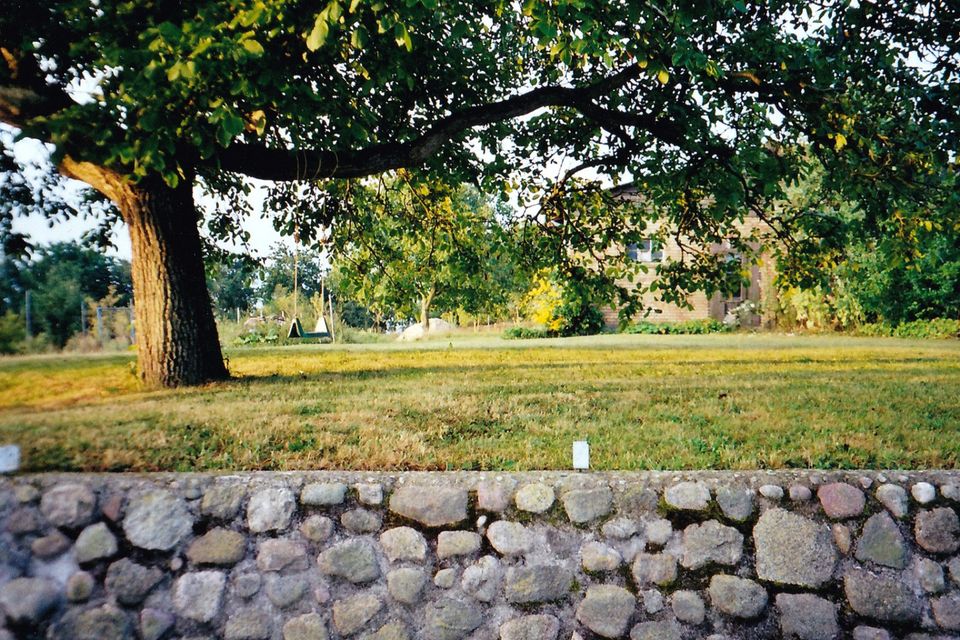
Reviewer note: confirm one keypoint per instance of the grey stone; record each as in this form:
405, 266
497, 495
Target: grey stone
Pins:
482, 579
370, 494
923, 492
606, 610
391, 631
25, 493
711, 543
737, 597
658, 531
929, 574
659, 569
620, 528
842, 537
352, 614
29, 600
537, 583
130, 582
597, 557
951, 491
270, 509
279, 554
403, 543
50, 545
807, 617
457, 543
893, 498
309, 626
445, 578
688, 607
246, 585
157, 520
353, 560
946, 611
509, 538
317, 528
687, 496
879, 597
863, 632
771, 492
79, 586
223, 501
154, 623
95, 542
430, 506
954, 567
494, 496
285, 591
23, 520
406, 584
653, 601
938, 530
218, 546
101, 623
791, 549
361, 521
68, 505
247, 624
841, 500
323, 494
656, 630
584, 505
736, 504
881, 542
198, 595
800, 493
535, 627
449, 619
535, 498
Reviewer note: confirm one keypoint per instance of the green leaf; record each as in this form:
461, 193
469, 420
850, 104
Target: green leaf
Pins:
173, 73
253, 47
170, 32
318, 36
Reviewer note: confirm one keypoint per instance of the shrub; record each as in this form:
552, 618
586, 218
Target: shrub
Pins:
940, 328
12, 333
687, 327
527, 333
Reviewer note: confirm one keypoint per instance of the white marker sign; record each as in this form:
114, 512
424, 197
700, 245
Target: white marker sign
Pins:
9, 458
581, 454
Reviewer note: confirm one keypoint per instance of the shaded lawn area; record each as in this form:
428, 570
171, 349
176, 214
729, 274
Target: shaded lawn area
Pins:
644, 402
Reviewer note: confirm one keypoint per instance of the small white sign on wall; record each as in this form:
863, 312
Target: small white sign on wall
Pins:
581, 454
9, 458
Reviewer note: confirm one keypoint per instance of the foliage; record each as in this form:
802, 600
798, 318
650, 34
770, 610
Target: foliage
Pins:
279, 270
527, 333
686, 327
940, 328
12, 332
231, 284
541, 302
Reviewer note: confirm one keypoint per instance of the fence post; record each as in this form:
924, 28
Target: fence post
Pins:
83, 320
99, 324
27, 314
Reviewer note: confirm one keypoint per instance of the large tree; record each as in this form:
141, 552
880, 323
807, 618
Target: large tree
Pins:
704, 103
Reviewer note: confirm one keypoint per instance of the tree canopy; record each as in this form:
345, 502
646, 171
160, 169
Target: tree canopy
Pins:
712, 109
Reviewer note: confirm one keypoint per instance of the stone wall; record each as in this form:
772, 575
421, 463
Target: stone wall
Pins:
438, 556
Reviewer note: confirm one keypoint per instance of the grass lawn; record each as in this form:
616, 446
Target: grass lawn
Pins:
644, 402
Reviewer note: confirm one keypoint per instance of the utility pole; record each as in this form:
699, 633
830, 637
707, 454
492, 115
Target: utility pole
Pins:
27, 314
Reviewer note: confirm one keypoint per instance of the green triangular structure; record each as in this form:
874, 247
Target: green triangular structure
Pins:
319, 331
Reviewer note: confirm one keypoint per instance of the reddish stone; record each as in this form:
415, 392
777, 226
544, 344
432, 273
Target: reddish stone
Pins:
113, 507
840, 500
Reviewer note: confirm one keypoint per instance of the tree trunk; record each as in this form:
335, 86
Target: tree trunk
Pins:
425, 300
177, 341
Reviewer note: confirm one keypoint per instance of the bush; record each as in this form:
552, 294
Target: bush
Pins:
940, 328
687, 327
527, 333
12, 333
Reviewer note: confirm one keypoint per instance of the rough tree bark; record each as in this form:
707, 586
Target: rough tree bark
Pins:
426, 299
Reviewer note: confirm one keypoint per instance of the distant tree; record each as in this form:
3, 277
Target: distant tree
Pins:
231, 283
278, 271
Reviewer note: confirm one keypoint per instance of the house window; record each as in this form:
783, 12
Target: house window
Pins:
647, 250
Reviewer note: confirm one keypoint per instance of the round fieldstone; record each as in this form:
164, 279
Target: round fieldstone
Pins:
771, 492
323, 494
198, 595
457, 543
894, 499
863, 632
154, 623
938, 530
449, 619
352, 614
584, 505
309, 626
95, 542
711, 543
68, 505
130, 582
223, 501
404, 543
841, 500
800, 493
353, 560
509, 538
247, 624
537, 583
946, 612
285, 591
157, 520
688, 607
369, 494
954, 567
482, 579
658, 531
50, 545
80, 586
535, 498
270, 509
29, 600
405, 585
656, 630
494, 496
930, 575
620, 529
247, 585
536, 627
445, 578
598, 557
25, 493
103, 623
279, 554
842, 537
951, 491
735, 503
881, 542
792, 549
807, 617
737, 597
687, 496
317, 528
218, 546
430, 506
653, 601
880, 597
606, 610
659, 569
361, 521
395, 630
923, 492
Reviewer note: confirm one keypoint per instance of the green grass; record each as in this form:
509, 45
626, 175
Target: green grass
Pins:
645, 402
